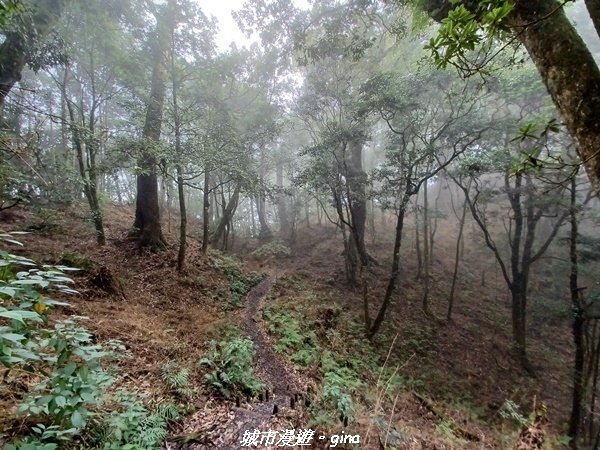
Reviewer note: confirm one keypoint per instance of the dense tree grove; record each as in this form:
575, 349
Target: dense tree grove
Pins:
391, 122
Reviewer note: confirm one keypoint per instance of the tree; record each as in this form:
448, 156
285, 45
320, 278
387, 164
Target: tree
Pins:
147, 212
25, 27
563, 61
523, 179
88, 84
423, 142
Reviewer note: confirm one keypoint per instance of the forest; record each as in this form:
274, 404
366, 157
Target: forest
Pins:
366, 224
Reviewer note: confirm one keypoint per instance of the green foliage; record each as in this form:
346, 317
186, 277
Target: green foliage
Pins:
419, 340
75, 259
131, 426
300, 344
589, 248
72, 382
511, 411
335, 397
463, 31
48, 221
177, 380
338, 369
239, 283
31, 444
230, 367
13, 185
76, 382
272, 249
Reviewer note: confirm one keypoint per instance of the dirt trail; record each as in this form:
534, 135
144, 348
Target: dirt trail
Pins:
223, 425
271, 370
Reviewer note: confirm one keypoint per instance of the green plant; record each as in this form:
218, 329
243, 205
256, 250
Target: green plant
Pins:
76, 382
70, 378
239, 283
131, 426
177, 380
272, 249
300, 344
419, 340
32, 444
511, 411
336, 394
230, 364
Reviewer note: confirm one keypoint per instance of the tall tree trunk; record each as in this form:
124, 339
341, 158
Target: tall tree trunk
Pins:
206, 211
418, 240
577, 325
395, 268
350, 257
147, 213
265, 233
457, 255
426, 254
252, 218
282, 210
357, 195
519, 322
182, 221
319, 210
434, 223
179, 155
85, 151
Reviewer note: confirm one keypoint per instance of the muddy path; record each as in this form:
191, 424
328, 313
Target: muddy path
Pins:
281, 384
221, 424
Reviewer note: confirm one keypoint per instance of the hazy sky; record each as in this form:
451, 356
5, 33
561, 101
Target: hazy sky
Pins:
228, 29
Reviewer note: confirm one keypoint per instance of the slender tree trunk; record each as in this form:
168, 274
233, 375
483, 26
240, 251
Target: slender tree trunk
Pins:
418, 240
350, 258
265, 233
222, 230
182, 221
426, 254
86, 163
372, 221
357, 185
518, 292
577, 325
395, 268
434, 222
284, 220
252, 218
206, 211
307, 213
457, 255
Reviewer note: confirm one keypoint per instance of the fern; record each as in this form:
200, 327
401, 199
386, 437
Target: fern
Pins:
134, 427
230, 362
177, 380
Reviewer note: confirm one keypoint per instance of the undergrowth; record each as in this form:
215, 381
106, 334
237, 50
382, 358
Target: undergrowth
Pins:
331, 346
240, 283
64, 376
230, 369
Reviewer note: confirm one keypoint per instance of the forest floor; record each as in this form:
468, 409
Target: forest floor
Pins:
442, 385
